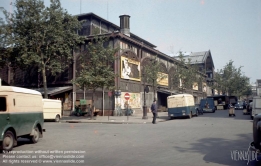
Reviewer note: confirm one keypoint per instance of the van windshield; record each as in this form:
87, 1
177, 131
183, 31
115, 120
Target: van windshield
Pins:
2, 104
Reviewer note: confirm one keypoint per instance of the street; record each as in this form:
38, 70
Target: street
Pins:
210, 139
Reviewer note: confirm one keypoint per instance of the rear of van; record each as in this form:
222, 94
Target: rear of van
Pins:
181, 105
52, 109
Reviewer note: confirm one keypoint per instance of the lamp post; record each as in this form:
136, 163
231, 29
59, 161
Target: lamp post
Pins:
146, 90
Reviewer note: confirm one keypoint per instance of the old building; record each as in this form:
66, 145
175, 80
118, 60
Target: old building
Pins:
205, 64
134, 53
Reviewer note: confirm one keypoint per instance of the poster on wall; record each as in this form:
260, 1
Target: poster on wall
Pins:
204, 87
130, 69
195, 86
134, 101
163, 79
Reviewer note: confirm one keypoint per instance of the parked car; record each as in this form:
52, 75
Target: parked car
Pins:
256, 133
238, 107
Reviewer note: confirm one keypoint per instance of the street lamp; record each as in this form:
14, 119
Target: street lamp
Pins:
146, 90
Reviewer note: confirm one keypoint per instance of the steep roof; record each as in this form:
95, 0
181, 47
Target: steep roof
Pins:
197, 57
133, 36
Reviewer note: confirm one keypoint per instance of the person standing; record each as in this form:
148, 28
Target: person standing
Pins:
154, 111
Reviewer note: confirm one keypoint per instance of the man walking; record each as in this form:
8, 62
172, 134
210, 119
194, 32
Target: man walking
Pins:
154, 111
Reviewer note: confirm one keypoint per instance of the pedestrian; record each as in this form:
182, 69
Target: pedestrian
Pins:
154, 111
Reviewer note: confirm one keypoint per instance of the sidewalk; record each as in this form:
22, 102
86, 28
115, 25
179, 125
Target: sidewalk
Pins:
134, 119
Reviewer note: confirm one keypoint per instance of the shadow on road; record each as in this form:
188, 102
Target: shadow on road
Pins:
211, 148
224, 114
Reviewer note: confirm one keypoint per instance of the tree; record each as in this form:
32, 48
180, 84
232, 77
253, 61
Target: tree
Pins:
43, 36
186, 74
96, 66
231, 81
152, 74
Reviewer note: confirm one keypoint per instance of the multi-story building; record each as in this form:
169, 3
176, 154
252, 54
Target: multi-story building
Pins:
205, 64
137, 51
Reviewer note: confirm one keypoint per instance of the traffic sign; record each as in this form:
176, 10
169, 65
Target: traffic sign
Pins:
127, 96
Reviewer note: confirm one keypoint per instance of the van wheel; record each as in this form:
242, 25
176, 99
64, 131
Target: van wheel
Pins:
8, 141
36, 136
57, 118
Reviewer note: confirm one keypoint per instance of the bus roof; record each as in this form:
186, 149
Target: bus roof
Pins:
18, 90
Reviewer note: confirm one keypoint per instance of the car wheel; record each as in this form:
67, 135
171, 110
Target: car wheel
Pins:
8, 141
57, 118
36, 136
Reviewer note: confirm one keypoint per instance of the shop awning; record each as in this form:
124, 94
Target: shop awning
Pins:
54, 90
166, 91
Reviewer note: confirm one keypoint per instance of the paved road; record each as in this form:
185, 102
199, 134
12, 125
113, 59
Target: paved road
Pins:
209, 140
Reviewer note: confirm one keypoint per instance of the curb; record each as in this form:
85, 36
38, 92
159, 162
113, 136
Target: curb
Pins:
108, 122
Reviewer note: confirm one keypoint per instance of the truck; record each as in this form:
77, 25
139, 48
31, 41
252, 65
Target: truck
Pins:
256, 106
222, 101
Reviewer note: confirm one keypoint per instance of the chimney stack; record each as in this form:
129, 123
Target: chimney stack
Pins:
125, 24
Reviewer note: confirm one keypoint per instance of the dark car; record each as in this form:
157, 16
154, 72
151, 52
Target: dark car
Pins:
256, 132
238, 107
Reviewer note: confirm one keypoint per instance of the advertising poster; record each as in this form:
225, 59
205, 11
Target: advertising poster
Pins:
130, 69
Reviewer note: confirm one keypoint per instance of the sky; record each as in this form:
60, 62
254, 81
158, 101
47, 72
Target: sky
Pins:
230, 29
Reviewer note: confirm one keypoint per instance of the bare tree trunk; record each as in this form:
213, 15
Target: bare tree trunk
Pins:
92, 109
44, 82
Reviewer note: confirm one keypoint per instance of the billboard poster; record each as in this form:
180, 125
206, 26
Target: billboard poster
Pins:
204, 87
195, 86
163, 79
130, 69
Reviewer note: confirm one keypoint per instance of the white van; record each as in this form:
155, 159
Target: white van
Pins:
21, 115
256, 106
181, 105
52, 109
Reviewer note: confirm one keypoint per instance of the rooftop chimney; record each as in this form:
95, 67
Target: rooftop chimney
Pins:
125, 24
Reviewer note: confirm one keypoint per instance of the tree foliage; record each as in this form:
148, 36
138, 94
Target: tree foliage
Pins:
97, 66
42, 36
231, 81
152, 74
186, 74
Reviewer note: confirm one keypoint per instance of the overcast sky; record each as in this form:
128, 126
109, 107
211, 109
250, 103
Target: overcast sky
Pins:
230, 29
